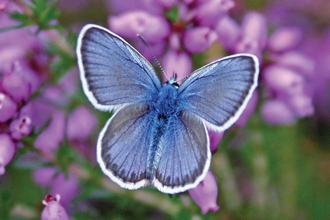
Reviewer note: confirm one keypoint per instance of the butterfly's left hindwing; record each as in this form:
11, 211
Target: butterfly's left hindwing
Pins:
112, 71
123, 145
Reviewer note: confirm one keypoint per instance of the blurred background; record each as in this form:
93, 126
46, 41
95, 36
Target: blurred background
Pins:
273, 163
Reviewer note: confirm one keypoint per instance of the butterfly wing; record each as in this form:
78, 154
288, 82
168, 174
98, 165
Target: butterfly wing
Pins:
123, 144
186, 154
219, 91
112, 71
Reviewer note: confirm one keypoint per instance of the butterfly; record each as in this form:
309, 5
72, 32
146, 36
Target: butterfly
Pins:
158, 134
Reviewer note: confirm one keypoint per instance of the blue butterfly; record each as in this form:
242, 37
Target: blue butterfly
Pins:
157, 134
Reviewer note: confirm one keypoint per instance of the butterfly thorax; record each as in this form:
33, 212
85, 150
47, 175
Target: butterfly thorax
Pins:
164, 111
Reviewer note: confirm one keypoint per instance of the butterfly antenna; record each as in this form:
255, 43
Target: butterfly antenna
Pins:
183, 79
153, 55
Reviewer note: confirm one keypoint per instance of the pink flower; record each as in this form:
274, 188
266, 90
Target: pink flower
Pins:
167, 3
249, 109
7, 151
254, 34
215, 138
20, 127
51, 137
277, 112
21, 82
302, 105
205, 194
285, 38
81, 124
53, 209
7, 107
228, 32
209, 12
3, 4
283, 80
198, 39
152, 28
65, 185
177, 63
297, 62
44, 176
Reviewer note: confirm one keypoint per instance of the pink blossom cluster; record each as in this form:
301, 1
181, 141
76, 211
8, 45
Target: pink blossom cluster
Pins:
21, 76
31, 105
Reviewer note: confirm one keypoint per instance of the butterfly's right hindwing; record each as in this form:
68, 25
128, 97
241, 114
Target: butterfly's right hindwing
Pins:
113, 72
186, 154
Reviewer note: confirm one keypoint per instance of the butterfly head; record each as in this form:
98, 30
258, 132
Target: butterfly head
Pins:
173, 81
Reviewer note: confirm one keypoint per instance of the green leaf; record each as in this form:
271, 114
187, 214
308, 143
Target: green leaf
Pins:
172, 14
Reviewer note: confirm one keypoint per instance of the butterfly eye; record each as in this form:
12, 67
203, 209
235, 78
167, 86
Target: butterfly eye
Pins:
173, 83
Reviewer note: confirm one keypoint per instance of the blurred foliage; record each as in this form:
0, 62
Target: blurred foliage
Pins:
264, 172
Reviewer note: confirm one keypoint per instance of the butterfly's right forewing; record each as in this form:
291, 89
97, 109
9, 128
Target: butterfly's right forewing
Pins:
219, 91
113, 72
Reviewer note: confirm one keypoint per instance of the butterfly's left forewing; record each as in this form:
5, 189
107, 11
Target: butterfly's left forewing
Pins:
112, 72
219, 91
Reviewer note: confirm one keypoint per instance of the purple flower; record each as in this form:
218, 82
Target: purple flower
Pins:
285, 38
7, 151
20, 127
177, 63
44, 176
167, 3
283, 80
65, 185
51, 137
228, 32
277, 112
61, 93
205, 194
302, 105
7, 107
21, 82
121, 6
152, 28
249, 109
39, 111
3, 4
209, 12
215, 138
53, 209
81, 124
254, 34
12, 47
198, 39
297, 61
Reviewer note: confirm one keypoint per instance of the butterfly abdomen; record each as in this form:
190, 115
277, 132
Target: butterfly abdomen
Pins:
165, 110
